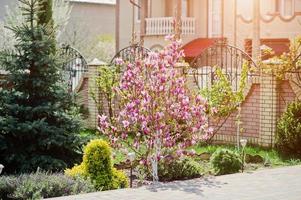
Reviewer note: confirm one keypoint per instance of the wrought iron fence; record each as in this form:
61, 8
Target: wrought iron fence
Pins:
228, 58
128, 54
75, 65
131, 53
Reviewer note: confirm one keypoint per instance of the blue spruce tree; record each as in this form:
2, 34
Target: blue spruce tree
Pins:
38, 127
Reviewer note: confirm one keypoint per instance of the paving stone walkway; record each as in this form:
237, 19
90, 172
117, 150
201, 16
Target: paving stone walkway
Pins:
268, 184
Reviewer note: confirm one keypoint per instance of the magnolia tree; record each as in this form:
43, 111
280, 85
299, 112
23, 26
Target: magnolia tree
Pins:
159, 116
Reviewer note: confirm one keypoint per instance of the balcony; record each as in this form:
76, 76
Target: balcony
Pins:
164, 26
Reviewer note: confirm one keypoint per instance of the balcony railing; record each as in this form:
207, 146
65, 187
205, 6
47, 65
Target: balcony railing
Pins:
165, 26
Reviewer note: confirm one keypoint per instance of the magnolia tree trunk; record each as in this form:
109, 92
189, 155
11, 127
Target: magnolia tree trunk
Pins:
154, 159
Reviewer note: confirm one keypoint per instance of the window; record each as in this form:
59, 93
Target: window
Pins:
184, 8
286, 7
138, 11
267, 7
297, 5
245, 8
215, 18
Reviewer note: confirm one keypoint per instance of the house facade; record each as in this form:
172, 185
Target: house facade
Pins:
234, 20
4, 4
90, 18
245, 27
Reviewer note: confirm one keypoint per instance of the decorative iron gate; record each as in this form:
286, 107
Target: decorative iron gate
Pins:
131, 53
226, 57
75, 65
127, 54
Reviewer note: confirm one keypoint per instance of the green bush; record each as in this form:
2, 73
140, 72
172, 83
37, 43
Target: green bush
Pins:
179, 169
288, 134
120, 180
225, 161
42, 185
97, 165
77, 170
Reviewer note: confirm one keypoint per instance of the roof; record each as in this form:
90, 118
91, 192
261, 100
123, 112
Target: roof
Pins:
278, 45
197, 46
110, 2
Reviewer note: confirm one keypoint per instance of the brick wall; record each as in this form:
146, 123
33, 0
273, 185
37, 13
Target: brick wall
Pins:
83, 92
250, 116
265, 100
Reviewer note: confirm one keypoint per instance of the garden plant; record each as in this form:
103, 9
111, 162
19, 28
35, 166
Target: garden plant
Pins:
159, 115
225, 161
221, 97
97, 166
39, 122
40, 185
288, 134
150, 121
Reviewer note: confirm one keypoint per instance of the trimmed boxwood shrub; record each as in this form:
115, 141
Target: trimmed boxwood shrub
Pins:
225, 161
120, 180
97, 165
179, 169
77, 170
288, 134
42, 185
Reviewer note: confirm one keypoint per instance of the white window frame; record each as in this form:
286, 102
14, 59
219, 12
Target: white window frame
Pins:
211, 14
138, 11
185, 8
271, 8
282, 8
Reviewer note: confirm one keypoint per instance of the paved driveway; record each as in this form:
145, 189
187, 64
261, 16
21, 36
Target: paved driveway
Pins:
267, 184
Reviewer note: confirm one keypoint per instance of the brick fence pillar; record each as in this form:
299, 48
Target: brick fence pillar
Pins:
92, 107
268, 109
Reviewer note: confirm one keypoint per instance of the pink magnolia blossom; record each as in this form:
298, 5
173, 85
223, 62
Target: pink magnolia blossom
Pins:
125, 123
156, 105
103, 123
119, 61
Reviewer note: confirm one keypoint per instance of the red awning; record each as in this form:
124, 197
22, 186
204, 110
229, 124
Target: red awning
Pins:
278, 45
197, 46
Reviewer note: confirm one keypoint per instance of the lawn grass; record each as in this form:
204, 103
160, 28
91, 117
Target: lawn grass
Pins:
271, 156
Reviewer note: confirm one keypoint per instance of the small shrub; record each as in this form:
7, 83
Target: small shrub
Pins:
185, 168
97, 165
42, 185
120, 180
225, 161
288, 134
253, 158
76, 171
8, 184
